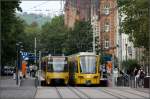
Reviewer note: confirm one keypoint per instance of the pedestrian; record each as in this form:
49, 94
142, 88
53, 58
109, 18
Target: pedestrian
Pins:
31, 68
142, 75
14, 73
104, 71
115, 75
137, 77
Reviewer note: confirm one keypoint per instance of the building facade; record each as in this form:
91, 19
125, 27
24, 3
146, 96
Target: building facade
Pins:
108, 26
128, 50
77, 10
103, 17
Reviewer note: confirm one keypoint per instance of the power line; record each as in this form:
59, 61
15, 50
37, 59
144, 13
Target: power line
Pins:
38, 5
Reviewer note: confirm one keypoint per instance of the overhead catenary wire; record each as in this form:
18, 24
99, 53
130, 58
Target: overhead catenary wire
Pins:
37, 8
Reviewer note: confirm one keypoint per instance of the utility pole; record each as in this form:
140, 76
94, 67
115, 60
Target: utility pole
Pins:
120, 43
148, 58
94, 41
35, 50
126, 51
39, 68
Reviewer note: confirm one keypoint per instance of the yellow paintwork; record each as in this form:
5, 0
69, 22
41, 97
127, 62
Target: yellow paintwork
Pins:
82, 78
56, 75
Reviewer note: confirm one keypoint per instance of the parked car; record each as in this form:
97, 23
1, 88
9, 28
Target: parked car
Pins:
7, 70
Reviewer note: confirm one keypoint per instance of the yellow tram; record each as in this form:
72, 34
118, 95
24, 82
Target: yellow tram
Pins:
84, 68
55, 69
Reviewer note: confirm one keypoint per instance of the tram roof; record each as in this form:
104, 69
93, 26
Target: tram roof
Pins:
84, 53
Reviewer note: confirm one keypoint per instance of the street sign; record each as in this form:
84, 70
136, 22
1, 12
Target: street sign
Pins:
25, 55
107, 58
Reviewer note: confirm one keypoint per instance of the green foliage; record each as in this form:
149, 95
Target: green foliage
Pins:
30, 18
136, 21
58, 39
11, 29
30, 32
53, 35
129, 65
80, 38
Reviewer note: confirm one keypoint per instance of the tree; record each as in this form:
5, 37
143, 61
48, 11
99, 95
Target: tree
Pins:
11, 29
30, 32
136, 21
129, 65
80, 38
58, 39
53, 35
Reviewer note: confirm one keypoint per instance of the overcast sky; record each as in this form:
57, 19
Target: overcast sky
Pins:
45, 7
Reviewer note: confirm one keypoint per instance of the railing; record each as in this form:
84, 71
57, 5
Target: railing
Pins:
130, 81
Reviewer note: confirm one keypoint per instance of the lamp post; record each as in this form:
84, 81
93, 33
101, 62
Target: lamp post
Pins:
126, 51
18, 66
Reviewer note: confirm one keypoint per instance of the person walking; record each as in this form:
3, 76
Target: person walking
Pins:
14, 73
142, 75
137, 77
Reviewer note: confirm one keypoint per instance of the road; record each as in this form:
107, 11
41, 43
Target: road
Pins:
27, 89
91, 92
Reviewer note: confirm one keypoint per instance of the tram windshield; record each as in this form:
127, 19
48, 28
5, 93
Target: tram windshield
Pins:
88, 64
57, 65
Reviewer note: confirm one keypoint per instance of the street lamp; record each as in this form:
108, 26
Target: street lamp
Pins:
19, 46
126, 50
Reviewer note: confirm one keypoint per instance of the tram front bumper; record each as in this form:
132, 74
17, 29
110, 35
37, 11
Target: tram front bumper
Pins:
88, 80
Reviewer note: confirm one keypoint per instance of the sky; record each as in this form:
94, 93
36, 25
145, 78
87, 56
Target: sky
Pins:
50, 8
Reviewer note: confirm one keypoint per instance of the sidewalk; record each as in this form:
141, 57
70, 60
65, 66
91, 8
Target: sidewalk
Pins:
7, 82
9, 89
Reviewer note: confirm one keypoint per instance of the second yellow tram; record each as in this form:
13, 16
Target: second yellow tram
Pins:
84, 68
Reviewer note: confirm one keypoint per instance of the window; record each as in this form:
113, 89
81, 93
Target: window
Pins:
106, 44
106, 9
107, 26
57, 65
88, 64
130, 50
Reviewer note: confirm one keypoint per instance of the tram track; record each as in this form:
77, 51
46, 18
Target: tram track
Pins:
132, 93
34, 96
109, 92
88, 97
59, 94
141, 90
70, 88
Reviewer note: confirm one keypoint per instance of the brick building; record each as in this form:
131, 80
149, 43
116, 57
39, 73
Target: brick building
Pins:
77, 10
103, 17
108, 25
